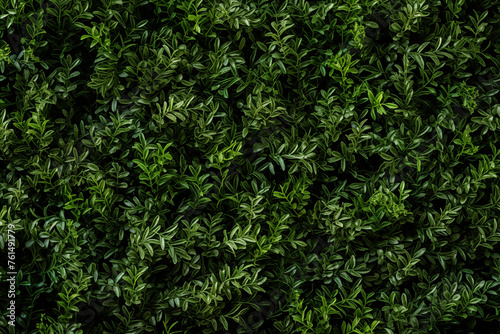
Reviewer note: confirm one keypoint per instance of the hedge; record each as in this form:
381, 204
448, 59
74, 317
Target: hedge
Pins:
249, 166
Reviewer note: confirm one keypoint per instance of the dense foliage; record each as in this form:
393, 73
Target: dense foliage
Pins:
250, 166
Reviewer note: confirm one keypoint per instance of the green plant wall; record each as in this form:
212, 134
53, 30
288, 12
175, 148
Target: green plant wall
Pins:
249, 166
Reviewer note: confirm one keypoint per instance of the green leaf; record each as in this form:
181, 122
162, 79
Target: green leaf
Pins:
371, 97
371, 24
418, 58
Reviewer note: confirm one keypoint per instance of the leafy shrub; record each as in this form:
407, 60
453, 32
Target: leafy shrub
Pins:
250, 166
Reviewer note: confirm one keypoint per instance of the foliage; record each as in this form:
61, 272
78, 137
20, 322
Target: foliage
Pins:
255, 166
